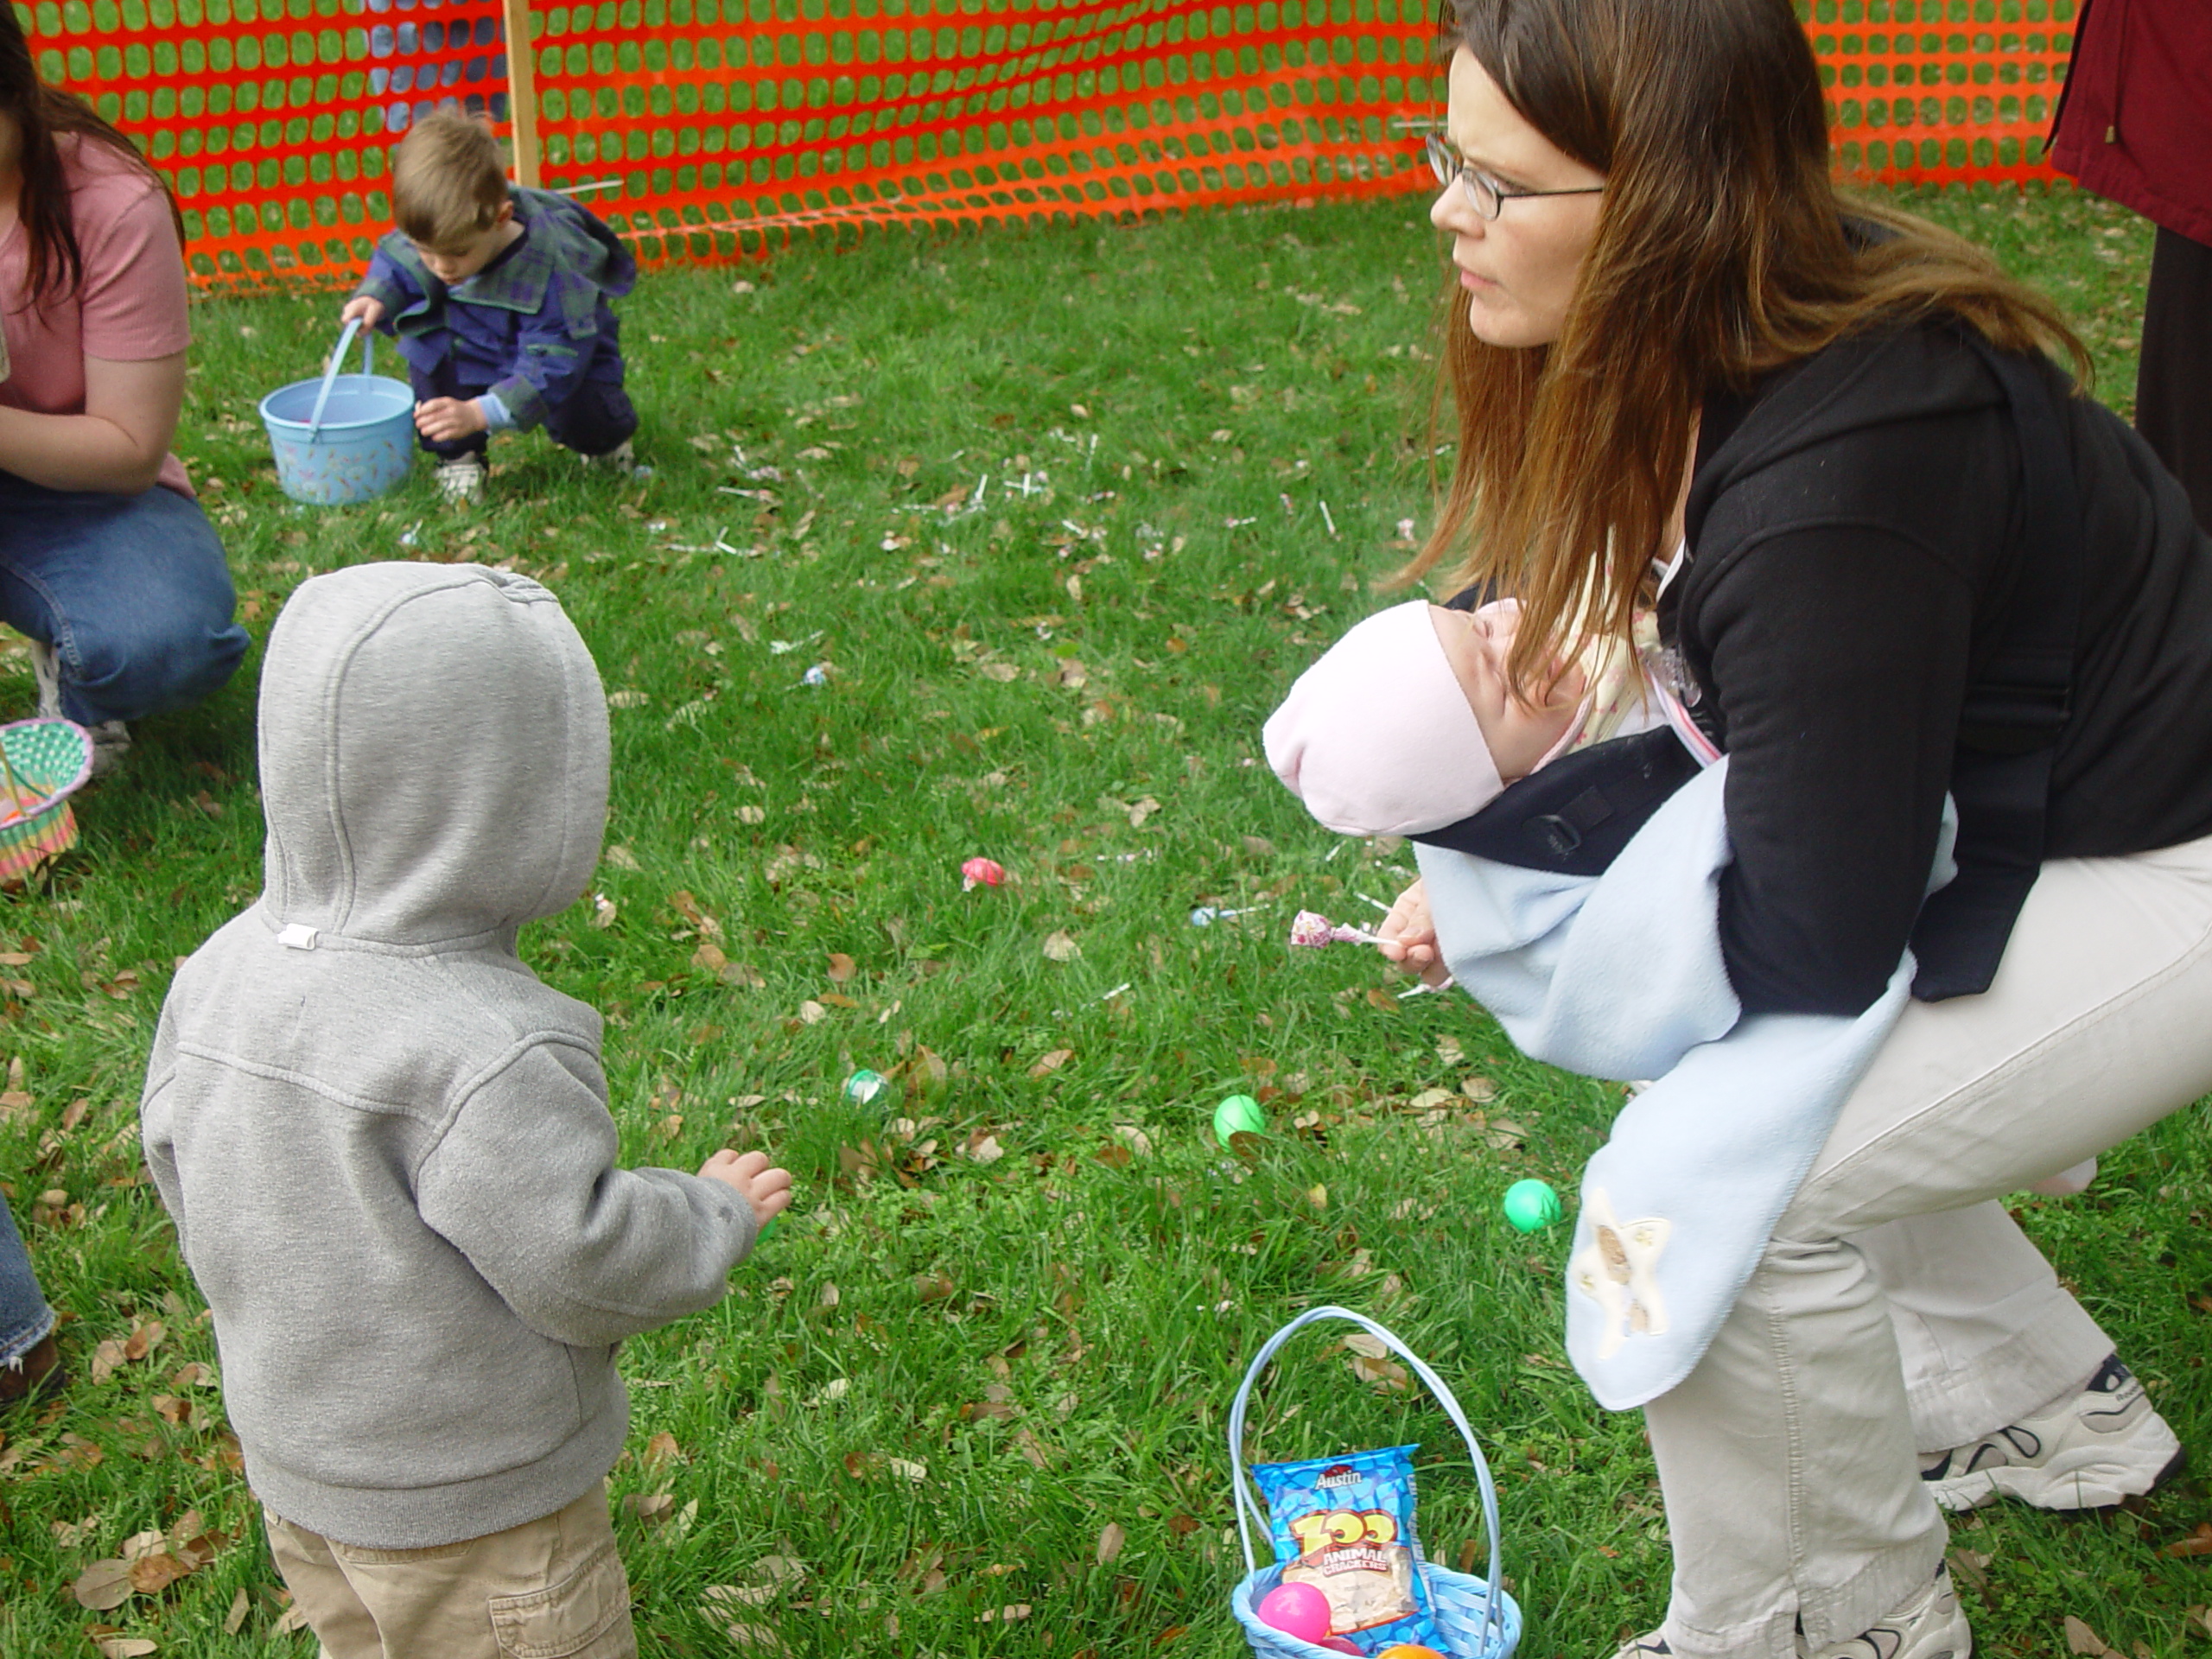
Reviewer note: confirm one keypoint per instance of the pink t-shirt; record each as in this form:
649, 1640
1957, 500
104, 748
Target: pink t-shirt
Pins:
130, 306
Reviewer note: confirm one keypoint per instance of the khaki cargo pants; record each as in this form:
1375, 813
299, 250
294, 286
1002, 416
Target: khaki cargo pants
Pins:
548, 1589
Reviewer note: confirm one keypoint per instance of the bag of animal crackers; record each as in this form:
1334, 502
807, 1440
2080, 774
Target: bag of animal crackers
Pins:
1345, 1526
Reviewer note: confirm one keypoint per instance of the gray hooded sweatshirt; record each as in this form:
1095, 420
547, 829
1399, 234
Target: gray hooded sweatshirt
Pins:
385, 1142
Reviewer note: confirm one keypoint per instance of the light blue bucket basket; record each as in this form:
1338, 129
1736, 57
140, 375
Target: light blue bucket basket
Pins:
345, 437
1475, 1618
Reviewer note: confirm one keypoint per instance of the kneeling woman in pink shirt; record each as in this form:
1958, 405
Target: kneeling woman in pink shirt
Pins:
107, 561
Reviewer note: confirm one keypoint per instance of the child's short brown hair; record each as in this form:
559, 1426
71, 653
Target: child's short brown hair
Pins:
448, 181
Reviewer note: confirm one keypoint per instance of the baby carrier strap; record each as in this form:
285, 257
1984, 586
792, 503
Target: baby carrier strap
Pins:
1574, 817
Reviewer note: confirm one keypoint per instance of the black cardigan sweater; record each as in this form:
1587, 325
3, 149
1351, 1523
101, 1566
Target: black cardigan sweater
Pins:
1854, 526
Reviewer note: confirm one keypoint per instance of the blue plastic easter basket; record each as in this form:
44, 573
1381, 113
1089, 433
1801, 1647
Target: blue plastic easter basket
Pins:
1475, 1618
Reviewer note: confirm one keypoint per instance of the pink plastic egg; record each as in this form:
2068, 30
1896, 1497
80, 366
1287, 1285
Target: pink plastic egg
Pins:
1296, 1609
1340, 1644
980, 873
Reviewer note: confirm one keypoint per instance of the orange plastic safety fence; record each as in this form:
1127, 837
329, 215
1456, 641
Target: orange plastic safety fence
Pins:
271, 119
721, 121
711, 127
1941, 91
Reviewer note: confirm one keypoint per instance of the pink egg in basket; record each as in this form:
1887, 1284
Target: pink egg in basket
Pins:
1298, 1610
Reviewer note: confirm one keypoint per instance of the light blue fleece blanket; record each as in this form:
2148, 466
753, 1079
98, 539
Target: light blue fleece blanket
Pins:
1620, 977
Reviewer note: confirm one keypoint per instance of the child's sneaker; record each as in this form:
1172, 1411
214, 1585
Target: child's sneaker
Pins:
461, 478
622, 458
1930, 1626
2090, 1448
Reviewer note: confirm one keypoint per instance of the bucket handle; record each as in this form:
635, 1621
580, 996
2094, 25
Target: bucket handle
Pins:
1249, 1512
337, 361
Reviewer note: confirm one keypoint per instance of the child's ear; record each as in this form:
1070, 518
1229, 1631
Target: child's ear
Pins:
506, 212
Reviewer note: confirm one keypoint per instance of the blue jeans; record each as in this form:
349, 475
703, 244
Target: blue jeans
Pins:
25, 1319
131, 591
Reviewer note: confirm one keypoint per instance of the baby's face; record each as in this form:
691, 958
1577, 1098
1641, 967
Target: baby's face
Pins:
1519, 732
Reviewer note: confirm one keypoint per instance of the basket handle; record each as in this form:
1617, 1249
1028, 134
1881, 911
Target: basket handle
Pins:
337, 362
1249, 1512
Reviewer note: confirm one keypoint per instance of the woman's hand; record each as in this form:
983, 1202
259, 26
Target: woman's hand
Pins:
1408, 937
368, 310
443, 419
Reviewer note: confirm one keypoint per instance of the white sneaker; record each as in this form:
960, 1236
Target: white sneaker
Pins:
2090, 1448
622, 458
1928, 1626
1931, 1625
111, 738
461, 478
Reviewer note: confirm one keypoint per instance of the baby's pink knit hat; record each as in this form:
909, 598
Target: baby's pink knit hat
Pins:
1377, 737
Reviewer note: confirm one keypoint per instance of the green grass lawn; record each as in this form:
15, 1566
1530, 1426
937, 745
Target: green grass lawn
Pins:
1061, 512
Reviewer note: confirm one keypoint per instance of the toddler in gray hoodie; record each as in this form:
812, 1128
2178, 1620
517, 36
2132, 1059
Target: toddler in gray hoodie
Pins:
387, 1144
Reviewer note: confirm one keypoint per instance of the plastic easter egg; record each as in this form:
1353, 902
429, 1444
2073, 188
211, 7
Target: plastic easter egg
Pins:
865, 1086
1531, 1206
1408, 1650
1298, 1610
980, 873
1341, 1644
1238, 1115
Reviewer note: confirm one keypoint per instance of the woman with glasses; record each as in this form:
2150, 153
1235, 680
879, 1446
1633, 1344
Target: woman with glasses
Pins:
1897, 556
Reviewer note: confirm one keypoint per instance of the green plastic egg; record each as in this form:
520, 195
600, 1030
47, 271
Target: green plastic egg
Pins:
1531, 1206
1238, 1115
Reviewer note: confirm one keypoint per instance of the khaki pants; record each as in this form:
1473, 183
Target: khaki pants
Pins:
1898, 1309
548, 1589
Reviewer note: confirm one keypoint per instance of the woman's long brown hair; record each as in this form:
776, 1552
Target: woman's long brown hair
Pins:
55, 263
1721, 252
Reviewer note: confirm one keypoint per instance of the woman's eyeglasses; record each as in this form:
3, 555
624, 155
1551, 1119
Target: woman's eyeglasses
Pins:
1487, 194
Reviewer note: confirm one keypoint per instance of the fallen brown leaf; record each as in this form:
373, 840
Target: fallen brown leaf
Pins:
650, 1508
1003, 1614
147, 1338
102, 1586
758, 1637
1061, 947
2198, 1544
662, 1448
841, 967
1111, 1537
2080, 1638
151, 1574
123, 1647
1382, 1373
1053, 1061
234, 1620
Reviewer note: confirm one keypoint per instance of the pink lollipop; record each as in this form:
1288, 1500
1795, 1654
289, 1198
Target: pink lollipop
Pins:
1296, 1609
980, 873
1311, 929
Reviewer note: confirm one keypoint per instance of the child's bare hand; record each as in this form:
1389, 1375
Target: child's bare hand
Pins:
765, 1187
361, 306
442, 419
1407, 935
